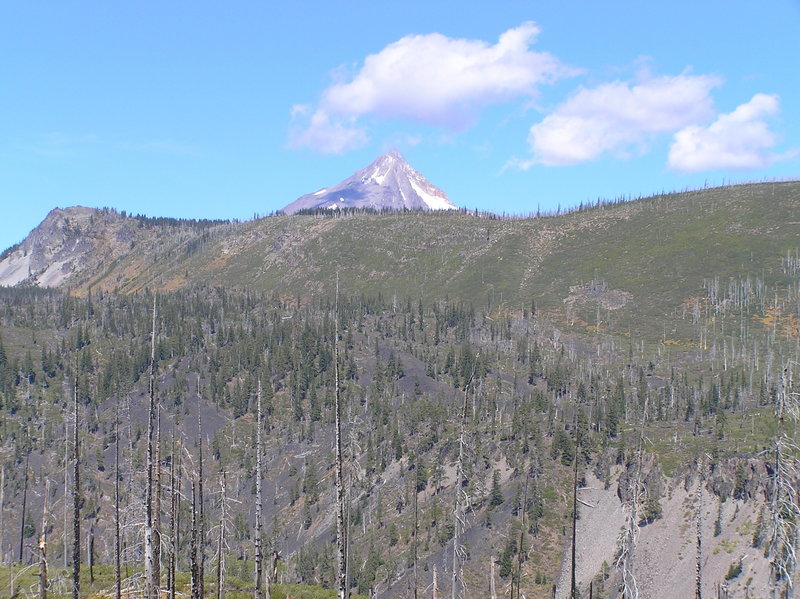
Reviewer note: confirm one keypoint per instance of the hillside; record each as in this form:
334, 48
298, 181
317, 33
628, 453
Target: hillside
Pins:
651, 258
644, 349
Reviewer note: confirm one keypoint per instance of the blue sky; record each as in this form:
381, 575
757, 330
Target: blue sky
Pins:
223, 110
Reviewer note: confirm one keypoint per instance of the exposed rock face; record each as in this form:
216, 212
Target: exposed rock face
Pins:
389, 183
52, 250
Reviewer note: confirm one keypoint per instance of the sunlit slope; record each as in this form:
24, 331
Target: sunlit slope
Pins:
629, 267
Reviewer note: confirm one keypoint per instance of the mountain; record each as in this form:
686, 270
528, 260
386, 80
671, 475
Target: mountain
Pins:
46, 257
80, 244
481, 360
636, 260
389, 183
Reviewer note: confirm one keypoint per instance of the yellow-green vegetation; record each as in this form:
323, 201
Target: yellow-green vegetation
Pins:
25, 582
676, 444
726, 545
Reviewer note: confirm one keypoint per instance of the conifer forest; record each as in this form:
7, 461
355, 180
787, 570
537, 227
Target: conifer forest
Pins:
226, 441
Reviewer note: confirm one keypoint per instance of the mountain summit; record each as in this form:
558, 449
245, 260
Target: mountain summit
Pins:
389, 183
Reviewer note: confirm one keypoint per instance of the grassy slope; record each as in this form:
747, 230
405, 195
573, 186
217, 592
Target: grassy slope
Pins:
660, 250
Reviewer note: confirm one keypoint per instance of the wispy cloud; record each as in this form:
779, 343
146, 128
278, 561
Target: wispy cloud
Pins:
427, 79
57, 144
322, 133
162, 146
737, 140
63, 145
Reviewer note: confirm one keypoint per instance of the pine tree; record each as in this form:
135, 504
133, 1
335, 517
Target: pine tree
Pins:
496, 496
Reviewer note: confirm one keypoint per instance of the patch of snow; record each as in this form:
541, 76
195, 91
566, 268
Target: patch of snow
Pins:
320, 192
378, 177
434, 202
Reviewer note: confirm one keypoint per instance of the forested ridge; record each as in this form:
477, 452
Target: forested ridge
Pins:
598, 404
529, 409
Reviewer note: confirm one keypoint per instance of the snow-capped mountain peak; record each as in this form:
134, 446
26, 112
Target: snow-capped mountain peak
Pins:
389, 183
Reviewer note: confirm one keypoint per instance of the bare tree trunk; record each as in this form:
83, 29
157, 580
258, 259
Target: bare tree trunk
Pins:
416, 532
347, 520
90, 554
43, 545
258, 594
152, 539
42, 567
201, 524
195, 568
698, 578
157, 495
129, 491
221, 540
521, 537
784, 509
492, 590
66, 486
573, 593
117, 547
24, 507
177, 510
272, 574
2, 503
76, 497
458, 508
341, 533
629, 535
173, 532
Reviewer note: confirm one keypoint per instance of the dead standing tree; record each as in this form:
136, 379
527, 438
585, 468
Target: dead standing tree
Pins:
174, 521
784, 508
197, 533
201, 524
461, 498
152, 534
2, 505
24, 506
516, 580
117, 544
259, 566
222, 543
341, 533
76, 495
573, 592
698, 516
630, 533
43, 546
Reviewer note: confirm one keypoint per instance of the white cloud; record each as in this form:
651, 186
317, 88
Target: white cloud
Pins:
442, 81
324, 134
740, 139
614, 117
435, 80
